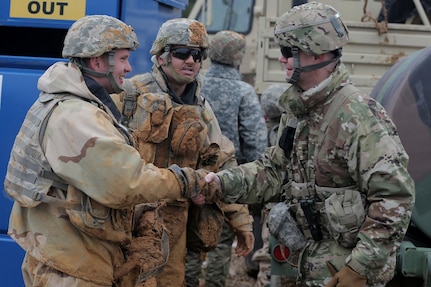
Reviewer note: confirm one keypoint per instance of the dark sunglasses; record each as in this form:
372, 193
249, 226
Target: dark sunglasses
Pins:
184, 53
286, 52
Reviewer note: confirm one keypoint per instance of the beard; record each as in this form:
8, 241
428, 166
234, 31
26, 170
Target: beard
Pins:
177, 78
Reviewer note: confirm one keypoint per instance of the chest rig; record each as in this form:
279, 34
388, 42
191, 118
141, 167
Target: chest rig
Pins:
318, 209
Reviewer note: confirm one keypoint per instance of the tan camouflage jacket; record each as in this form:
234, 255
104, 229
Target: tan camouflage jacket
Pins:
361, 149
84, 146
153, 93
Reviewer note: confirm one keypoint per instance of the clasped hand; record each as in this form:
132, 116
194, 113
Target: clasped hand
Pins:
210, 190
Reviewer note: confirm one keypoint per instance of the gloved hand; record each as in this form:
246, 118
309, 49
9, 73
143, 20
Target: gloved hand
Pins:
193, 183
347, 277
245, 243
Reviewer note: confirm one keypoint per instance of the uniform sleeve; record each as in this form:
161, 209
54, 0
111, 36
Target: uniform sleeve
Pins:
84, 148
251, 126
238, 217
379, 160
259, 181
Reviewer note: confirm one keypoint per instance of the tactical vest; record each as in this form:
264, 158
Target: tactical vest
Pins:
170, 133
30, 178
323, 212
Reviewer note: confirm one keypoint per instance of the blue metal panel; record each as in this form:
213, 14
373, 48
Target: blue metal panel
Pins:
18, 92
10, 262
146, 17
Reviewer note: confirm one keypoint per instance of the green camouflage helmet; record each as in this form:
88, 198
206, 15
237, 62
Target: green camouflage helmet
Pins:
227, 47
269, 100
313, 27
180, 32
95, 35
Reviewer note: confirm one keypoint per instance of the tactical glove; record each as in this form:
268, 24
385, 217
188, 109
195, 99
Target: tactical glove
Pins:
347, 277
193, 183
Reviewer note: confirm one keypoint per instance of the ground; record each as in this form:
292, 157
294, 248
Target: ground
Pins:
238, 276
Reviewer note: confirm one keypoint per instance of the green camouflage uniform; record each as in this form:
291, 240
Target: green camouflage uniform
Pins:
361, 149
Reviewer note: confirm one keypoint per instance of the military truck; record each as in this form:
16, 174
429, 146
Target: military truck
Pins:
386, 59
373, 46
32, 33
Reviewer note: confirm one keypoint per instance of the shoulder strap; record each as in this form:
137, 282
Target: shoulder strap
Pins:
130, 103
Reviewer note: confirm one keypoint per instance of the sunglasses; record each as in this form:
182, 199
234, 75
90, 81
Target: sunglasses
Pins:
286, 51
184, 53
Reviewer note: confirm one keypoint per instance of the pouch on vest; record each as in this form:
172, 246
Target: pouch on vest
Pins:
150, 241
188, 135
284, 228
99, 221
204, 227
346, 213
209, 157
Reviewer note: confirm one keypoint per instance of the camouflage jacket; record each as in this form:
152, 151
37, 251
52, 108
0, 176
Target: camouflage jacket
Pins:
361, 148
237, 109
84, 146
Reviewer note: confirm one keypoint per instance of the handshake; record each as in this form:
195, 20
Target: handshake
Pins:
199, 185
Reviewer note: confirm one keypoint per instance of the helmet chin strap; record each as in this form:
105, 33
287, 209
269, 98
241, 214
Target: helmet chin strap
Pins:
297, 69
108, 74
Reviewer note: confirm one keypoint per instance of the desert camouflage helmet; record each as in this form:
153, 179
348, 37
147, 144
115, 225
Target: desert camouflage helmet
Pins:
180, 32
227, 47
313, 27
94, 35
269, 100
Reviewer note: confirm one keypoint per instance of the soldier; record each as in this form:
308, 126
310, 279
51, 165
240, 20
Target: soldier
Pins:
241, 119
73, 171
271, 109
338, 159
173, 123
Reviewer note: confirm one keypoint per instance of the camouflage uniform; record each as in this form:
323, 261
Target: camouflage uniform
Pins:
353, 151
155, 123
241, 119
74, 173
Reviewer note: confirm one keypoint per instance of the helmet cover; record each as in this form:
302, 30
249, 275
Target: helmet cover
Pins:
180, 32
313, 27
269, 100
95, 35
227, 47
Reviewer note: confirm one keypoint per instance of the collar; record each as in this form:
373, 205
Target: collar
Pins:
303, 102
101, 93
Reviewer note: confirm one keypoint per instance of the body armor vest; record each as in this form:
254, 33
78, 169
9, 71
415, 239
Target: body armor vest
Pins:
29, 176
323, 212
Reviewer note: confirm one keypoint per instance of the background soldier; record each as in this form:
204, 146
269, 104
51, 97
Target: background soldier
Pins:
340, 154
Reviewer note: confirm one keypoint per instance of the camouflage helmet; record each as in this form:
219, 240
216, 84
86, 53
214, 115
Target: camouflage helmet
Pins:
269, 100
95, 35
227, 47
182, 32
313, 27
